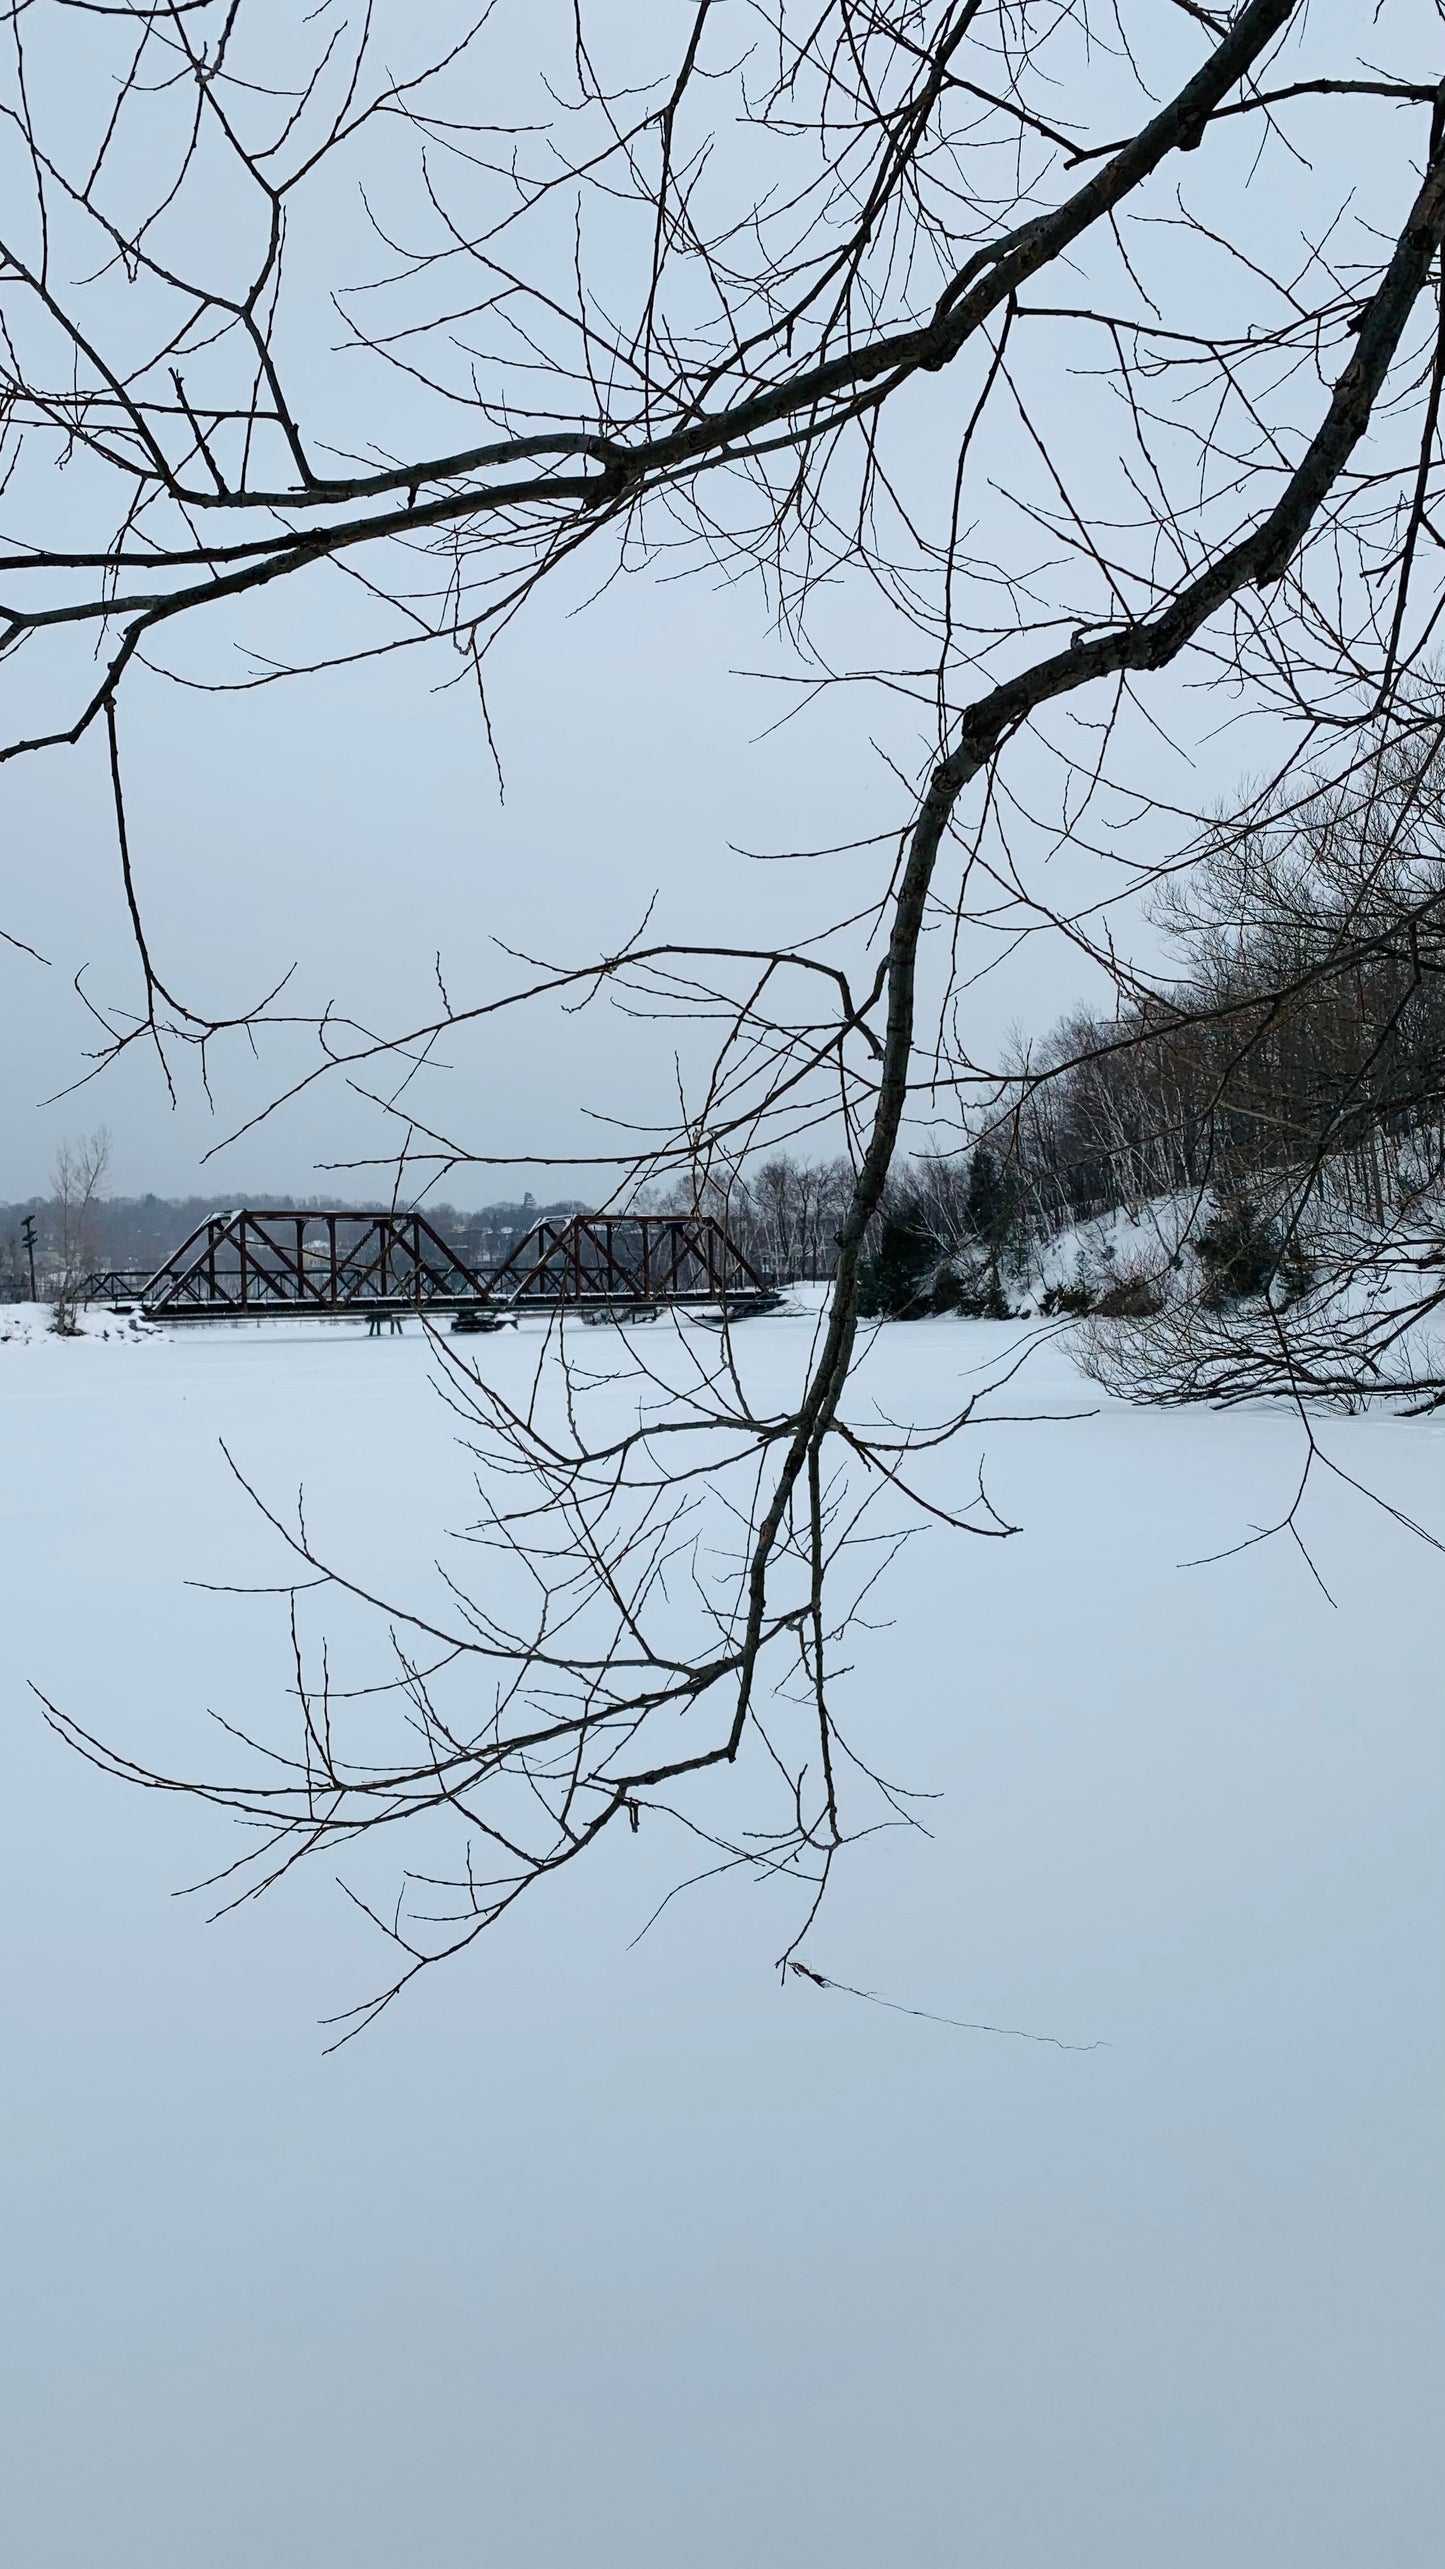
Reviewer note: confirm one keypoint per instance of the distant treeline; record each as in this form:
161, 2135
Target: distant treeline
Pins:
135, 1233
783, 1213
1305, 1034
1293, 1072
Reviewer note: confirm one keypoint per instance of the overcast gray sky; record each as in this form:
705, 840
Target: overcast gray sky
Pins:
350, 824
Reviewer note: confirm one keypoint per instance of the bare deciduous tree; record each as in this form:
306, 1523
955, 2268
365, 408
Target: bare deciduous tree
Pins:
1280, 1102
77, 1181
1059, 339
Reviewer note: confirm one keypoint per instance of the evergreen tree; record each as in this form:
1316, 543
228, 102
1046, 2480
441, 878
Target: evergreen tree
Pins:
898, 1270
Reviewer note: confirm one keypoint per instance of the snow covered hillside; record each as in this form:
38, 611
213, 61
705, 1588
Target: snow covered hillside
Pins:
623, 2253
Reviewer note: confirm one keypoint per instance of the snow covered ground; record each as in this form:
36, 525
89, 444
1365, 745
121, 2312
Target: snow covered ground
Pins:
621, 2255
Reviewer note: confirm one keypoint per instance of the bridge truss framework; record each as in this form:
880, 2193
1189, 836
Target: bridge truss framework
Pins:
260, 1262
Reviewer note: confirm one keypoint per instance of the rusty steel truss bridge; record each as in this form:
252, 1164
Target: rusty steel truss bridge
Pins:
260, 1264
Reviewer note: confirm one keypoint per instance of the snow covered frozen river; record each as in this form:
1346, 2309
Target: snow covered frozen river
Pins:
619, 2254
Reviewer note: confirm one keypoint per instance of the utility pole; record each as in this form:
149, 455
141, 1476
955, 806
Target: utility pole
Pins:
27, 1233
